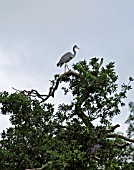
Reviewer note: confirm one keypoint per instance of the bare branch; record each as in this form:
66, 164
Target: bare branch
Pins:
101, 62
113, 128
120, 136
121, 145
34, 169
52, 89
33, 93
79, 103
96, 158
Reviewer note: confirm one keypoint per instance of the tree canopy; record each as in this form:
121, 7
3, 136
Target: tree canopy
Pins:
42, 136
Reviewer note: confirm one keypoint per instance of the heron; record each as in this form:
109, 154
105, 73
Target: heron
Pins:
67, 57
94, 148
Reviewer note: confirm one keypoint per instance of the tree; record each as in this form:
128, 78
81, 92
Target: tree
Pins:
129, 153
42, 136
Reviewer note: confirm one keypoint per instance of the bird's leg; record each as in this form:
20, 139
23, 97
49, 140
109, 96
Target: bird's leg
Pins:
67, 67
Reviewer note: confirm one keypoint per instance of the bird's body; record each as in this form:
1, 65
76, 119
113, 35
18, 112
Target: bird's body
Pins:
93, 149
67, 57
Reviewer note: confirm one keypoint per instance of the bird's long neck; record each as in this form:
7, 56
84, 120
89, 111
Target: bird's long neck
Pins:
74, 51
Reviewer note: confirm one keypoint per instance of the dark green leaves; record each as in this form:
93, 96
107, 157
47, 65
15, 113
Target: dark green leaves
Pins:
40, 136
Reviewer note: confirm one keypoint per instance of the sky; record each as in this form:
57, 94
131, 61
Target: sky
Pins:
34, 34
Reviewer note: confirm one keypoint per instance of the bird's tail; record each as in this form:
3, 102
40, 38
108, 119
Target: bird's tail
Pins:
58, 64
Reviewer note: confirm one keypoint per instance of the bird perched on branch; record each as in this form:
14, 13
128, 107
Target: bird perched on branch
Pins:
67, 57
94, 149
101, 62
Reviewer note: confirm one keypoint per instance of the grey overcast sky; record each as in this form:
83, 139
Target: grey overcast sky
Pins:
35, 33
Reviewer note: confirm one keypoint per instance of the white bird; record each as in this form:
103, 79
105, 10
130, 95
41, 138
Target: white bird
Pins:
67, 57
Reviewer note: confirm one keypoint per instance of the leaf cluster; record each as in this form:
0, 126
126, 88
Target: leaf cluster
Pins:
41, 136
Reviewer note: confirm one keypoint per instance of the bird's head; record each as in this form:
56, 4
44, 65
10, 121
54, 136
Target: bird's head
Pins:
97, 145
76, 47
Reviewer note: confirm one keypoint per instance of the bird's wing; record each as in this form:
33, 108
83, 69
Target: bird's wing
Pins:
90, 151
97, 146
66, 57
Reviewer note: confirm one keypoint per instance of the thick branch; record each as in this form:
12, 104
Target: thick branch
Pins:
78, 108
121, 145
68, 74
120, 136
84, 118
34, 169
52, 89
113, 128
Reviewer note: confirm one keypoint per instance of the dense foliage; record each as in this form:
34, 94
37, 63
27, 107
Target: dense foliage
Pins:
41, 136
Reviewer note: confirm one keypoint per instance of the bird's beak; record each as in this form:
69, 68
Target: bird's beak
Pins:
78, 48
